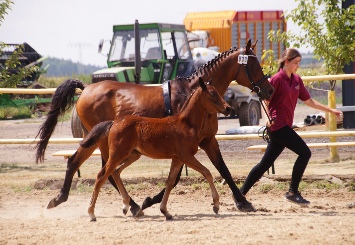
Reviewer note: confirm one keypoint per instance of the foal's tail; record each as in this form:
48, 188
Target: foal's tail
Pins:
62, 100
99, 131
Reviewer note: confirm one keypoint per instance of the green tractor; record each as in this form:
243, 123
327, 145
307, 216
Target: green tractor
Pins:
143, 53
147, 53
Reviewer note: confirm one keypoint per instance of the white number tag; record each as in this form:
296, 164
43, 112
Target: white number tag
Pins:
243, 59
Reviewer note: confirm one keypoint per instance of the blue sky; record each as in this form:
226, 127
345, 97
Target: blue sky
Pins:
72, 29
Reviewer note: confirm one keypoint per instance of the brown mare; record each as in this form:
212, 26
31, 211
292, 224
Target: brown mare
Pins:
175, 137
108, 100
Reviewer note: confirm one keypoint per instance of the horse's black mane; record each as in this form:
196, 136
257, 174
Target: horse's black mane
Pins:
206, 67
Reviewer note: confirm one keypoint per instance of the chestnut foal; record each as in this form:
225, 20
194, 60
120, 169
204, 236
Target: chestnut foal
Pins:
175, 137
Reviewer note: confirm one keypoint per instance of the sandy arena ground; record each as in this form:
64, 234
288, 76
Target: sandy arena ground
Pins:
26, 188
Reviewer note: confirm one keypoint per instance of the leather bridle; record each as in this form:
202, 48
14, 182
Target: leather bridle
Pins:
243, 61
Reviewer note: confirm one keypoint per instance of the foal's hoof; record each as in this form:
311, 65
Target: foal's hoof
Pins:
93, 220
245, 206
215, 210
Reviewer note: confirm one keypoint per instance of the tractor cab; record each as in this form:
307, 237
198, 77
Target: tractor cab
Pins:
147, 54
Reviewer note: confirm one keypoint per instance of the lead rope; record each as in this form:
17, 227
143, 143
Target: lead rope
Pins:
265, 133
265, 130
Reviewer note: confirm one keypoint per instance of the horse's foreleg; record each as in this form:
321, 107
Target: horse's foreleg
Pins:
158, 198
175, 168
74, 162
213, 152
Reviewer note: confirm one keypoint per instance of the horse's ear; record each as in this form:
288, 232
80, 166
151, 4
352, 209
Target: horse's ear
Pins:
254, 44
202, 83
248, 45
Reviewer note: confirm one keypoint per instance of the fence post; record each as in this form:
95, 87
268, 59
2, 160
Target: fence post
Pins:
334, 156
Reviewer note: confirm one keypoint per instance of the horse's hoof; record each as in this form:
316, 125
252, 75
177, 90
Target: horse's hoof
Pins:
169, 217
51, 204
215, 210
93, 220
245, 206
135, 210
124, 211
139, 213
147, 203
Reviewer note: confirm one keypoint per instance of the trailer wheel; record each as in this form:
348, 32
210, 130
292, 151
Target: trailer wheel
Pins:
77, 128
249, 113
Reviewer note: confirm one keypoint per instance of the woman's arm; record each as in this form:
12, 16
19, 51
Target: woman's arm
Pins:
316, 105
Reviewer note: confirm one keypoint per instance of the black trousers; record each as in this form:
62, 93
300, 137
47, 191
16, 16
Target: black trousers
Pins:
279, 139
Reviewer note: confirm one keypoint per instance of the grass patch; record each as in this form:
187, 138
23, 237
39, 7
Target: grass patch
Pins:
7, 167
22, 188
325, 185
137, 187
15, 113
200, 186
82, 188
351, 186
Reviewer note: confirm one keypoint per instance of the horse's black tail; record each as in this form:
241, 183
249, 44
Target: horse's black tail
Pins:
98, 131
62, 100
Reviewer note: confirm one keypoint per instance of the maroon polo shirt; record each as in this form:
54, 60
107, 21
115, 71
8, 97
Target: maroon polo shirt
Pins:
283, 102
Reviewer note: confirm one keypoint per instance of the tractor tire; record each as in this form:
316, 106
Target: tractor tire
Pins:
249, 113
77, 128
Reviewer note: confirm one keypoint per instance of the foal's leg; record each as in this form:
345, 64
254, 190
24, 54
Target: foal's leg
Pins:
158, 198
127, 200
102, 176
74, 162
193, 163
212, 150
174, 171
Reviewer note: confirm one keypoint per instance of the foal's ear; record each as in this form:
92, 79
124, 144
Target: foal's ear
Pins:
202, 83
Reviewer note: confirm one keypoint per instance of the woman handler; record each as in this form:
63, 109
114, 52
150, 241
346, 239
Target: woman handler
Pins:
289, 88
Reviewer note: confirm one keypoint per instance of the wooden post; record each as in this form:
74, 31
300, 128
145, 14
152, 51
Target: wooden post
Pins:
334, 156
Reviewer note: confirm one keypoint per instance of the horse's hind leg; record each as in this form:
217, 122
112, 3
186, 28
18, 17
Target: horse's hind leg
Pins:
74, 162
158, 198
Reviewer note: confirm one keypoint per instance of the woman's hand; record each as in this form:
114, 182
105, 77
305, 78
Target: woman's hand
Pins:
268, 123
337, 113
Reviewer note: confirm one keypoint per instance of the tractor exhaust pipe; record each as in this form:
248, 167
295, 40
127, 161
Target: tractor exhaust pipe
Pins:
138, 62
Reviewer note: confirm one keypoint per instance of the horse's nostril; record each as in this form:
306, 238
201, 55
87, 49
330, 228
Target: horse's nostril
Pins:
270, 91
228, 110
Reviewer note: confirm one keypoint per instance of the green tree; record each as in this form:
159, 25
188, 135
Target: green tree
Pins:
11, 72
332, 39
5, 5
